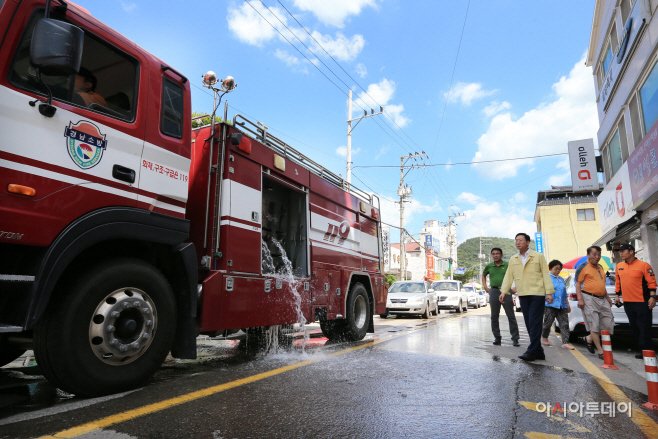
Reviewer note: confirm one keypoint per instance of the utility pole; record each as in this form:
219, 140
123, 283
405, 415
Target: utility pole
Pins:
349, 132
404, 192
480, 255
451, 240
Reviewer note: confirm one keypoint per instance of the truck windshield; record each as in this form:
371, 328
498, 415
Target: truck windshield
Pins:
445, 286
407, 287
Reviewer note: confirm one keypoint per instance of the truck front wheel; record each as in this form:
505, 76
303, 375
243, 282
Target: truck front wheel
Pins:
109, 330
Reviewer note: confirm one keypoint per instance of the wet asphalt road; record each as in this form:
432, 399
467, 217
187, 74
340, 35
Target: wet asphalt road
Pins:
414, 378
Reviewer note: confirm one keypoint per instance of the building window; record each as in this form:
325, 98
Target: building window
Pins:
585, 214
607, 59
614, 151
636, 123
625, 10
649, 99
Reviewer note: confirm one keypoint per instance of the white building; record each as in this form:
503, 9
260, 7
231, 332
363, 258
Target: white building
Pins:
623, 55
418, 261
444, 238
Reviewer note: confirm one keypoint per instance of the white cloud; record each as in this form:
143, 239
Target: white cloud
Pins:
496, 107
380, 94
287, 58
340, 47
469, 198
342, 151
128, 6
291, 61
249, 27
335, 12
361, 70
391, 212
449, 166
383, 150
519, 197
495, 219
545, 129
467, 93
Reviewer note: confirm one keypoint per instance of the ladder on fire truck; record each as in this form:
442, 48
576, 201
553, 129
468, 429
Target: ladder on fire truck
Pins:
258, 131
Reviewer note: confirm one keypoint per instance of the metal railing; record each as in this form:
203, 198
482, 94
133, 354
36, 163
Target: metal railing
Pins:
259, 132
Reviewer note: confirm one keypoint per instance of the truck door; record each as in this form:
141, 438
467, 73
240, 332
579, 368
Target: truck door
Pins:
242, 213
88, 154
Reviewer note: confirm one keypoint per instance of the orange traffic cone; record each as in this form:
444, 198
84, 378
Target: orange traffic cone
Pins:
652, 379
608, 363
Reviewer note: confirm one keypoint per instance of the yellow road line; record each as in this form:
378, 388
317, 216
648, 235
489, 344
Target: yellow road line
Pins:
152, 408
641, 419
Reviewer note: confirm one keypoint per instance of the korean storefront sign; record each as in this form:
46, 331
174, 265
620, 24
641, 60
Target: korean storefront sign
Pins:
643, 168
615, 202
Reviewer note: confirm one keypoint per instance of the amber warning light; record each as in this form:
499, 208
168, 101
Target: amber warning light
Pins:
21, 190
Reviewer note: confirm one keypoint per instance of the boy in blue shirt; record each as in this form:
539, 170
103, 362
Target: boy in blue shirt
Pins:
559, 309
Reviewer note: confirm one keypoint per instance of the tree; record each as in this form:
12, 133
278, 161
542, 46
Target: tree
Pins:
468, 275
204, 121
390, 279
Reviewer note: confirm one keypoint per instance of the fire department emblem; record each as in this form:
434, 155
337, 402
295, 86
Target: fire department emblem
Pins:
85, 143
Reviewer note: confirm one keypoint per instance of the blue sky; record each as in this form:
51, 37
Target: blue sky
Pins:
520, 89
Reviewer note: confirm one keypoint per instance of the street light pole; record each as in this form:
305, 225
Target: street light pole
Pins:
349, 133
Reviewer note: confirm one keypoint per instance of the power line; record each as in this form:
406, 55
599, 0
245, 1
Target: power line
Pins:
345, 71
469, 163
452, 77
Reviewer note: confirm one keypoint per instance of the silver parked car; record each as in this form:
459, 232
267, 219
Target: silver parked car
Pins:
451, 295
484, 297
411, 297
576, 322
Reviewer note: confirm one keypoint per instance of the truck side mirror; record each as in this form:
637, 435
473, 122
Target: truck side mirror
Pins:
55, 50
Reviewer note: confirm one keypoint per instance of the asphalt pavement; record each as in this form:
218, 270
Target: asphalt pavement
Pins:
439, 377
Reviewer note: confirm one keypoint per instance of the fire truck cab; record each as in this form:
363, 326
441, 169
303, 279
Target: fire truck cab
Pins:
124, 233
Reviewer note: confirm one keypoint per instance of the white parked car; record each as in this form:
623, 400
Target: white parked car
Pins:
484, 297
471, 292
576, 323
517, 303
411, 297
451, 295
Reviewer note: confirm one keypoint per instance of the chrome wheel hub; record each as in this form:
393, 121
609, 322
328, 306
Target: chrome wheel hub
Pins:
360, 312
122, 326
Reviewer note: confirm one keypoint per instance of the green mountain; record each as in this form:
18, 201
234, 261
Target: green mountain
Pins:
467, 251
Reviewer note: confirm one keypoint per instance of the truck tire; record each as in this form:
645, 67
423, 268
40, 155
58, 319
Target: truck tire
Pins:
107, 331
358, 313
332, 329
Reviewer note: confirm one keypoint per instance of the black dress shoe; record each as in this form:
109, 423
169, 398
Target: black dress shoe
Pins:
639, 356
540, 356
527, 357
497, 342
516, 343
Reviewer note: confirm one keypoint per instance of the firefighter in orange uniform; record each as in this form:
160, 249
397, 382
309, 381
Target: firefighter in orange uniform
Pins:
636, 283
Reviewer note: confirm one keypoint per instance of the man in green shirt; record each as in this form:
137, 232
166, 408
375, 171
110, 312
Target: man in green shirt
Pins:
496, 271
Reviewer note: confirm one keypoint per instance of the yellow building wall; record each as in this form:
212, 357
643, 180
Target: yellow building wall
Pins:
565, 237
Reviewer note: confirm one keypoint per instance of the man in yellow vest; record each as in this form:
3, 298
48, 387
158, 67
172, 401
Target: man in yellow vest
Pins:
529, 273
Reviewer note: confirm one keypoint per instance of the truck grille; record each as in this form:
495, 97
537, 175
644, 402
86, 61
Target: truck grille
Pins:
398, 300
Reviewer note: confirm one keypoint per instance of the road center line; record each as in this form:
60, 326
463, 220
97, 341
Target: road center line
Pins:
152, 408
641, 419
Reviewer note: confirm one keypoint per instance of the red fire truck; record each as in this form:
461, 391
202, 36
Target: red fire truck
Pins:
125, 233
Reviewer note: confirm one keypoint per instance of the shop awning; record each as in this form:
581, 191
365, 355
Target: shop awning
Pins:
603, 240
